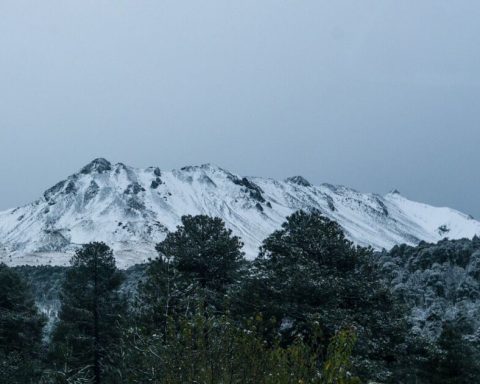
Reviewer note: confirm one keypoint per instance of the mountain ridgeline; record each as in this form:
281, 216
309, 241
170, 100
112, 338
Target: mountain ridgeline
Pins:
133, 209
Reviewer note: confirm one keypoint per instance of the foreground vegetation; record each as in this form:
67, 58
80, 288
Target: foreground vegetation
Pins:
312, 308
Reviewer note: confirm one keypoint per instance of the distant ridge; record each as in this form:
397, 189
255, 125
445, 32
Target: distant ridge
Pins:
131, 209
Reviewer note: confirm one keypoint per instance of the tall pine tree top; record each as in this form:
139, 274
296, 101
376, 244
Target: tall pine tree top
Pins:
87, 333
203, 249
309, 273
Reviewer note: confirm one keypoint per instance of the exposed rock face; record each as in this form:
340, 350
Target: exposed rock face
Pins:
157, 172
90, 204
99, 165
299, 180
156, 183
134, 189
91, 191
49, 193
253, 189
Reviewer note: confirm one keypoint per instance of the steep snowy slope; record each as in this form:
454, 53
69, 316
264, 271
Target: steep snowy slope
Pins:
131, 209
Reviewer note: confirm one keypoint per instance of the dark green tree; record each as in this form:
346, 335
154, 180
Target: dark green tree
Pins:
86, 338
203, 250
21, 327
455, 359
309, 273
162, 293
197, 262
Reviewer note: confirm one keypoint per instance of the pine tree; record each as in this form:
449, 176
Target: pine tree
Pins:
308, 272
163, 293
20, 330
199, 261
86, 338
203, 250
455, 359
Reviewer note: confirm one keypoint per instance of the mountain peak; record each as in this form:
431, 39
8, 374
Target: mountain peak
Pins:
203, 167
299, 180
98, 165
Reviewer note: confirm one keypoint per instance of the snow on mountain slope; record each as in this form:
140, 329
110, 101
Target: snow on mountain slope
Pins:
132, 209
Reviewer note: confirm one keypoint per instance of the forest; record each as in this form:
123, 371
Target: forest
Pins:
311, 308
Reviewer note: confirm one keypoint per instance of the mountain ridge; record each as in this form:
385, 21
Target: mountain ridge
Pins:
133, 208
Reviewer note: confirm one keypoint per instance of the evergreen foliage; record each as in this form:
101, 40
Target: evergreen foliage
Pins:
86, 338
441, 286
200, 259
309, 272
453, 360
20, 330
439, 282
204, 250
162, 293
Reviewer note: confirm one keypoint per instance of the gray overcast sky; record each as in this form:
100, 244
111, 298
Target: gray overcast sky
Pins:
371, 94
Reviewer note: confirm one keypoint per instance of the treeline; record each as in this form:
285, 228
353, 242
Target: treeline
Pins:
311, 308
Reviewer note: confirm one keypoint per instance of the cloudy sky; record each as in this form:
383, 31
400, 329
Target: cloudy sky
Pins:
375, 95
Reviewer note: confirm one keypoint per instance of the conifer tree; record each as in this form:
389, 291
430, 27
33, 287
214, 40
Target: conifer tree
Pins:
199, 261
20, 330
308, 272
87, 335
455, 360
163, 293
204, 250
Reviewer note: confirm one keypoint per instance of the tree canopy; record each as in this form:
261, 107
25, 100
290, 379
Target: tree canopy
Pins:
86, 338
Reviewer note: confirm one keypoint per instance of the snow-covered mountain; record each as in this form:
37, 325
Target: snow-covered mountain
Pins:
131, 209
